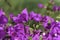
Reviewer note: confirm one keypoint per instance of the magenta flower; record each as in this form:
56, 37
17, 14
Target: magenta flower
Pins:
36, 37
40, 5
3, 18
2, 12
2, 32
47, 21
21, 18
35, 17
55, 8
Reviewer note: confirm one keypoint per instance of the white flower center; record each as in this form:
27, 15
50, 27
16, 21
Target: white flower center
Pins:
43, 33
55, 34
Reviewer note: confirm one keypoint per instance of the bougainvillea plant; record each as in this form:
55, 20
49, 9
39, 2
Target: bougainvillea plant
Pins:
29, 25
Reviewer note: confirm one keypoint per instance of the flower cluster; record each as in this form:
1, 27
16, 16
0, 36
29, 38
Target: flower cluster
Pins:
54, 7
54, 32
20, 29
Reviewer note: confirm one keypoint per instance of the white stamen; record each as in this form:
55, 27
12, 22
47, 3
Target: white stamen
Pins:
43, 33
55, 34
16, 38
57, 21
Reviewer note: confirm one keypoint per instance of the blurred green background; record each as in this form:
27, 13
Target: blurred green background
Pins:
16, 6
